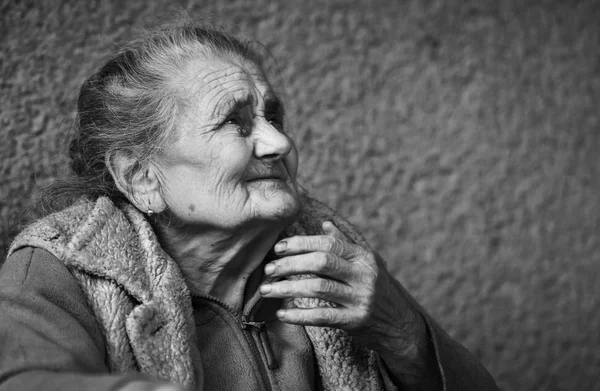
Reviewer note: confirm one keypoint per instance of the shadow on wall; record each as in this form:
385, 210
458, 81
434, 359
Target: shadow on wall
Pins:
461, 137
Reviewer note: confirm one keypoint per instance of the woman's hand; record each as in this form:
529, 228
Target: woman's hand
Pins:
371, 304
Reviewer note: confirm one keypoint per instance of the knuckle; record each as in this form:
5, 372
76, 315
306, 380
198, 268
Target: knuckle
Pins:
285, 288
336, 245
279, 266
332, 244
287, 265
326, 243
302, 317
295, 242
323, 286
326, 316
325, 263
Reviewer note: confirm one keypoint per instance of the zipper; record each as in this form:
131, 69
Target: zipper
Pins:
261, 327
246, 327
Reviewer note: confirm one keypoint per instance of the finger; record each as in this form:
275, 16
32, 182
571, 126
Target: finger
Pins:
320, 288
316, 243
167, 387
142, 385
338, 317
320, 263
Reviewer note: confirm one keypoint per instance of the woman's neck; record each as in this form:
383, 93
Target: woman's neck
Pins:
218, 263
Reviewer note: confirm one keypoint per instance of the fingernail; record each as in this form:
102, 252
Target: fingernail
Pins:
281, 246
281, 313
265, 289
270, 268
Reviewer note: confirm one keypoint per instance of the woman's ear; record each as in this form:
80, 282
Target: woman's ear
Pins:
139, 183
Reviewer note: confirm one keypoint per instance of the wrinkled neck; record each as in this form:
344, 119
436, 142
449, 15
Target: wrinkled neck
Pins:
220, 263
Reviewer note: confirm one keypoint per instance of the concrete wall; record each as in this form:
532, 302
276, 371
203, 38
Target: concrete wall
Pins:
461, 136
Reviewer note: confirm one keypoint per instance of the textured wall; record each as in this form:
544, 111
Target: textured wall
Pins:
461, 136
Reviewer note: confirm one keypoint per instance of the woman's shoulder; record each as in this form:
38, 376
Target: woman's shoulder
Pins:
54, 230
35, 275
31, 265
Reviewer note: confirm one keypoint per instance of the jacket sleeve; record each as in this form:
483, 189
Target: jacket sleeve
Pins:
49, 339
457, 368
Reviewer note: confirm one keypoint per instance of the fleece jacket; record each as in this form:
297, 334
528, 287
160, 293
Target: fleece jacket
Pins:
128, 312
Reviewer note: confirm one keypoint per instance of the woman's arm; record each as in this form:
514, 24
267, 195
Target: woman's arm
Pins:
445, 363
372, 307
49, 338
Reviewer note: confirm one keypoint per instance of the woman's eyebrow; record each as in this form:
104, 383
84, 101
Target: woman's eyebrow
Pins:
233, 105
274, 103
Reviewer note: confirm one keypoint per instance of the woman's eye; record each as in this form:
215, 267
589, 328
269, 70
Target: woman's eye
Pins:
240, 126
276, 121
232, 121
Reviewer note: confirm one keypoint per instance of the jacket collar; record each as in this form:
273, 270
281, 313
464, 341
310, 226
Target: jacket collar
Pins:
118, 245
110, 241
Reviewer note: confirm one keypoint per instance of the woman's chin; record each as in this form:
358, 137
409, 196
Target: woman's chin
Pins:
281, 206
275, 199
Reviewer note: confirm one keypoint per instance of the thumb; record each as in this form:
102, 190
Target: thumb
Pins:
329, 228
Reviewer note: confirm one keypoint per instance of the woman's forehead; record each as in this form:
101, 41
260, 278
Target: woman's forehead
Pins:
217, 78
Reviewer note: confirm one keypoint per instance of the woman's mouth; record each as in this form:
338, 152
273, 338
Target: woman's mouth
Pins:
266, 178
273, 175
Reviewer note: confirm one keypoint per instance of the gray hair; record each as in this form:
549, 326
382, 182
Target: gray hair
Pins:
131, 104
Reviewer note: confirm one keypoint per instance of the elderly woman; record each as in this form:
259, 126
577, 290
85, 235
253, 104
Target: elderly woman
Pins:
190, 260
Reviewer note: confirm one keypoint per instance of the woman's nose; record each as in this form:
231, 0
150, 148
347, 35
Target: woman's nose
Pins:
269, 142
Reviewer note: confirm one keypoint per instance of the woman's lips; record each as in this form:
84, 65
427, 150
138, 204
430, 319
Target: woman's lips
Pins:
268, 176
268, 180
274, 173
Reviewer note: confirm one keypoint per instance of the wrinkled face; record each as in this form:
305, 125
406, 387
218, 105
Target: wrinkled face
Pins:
231, 164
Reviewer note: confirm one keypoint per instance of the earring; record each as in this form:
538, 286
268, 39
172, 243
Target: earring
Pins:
150, 212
